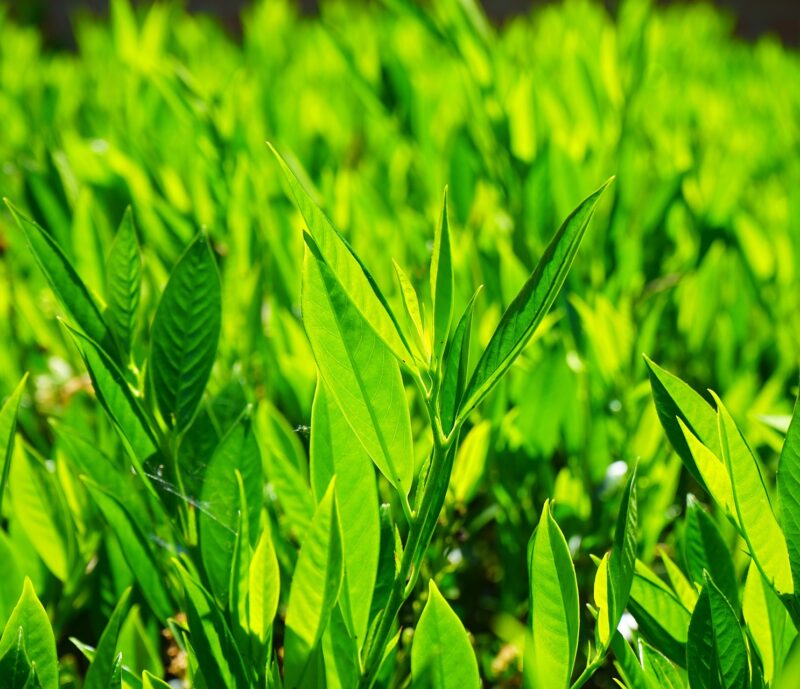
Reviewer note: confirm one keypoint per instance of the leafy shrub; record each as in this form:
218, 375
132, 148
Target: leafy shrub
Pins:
256, 456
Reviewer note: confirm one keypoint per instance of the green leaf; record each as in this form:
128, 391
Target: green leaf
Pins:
315, 587
218, 518
759, 527
335, 451
152, 682
15, 668
350, 272
622, 561
118, 400
530, 306
340, 652
554, 608
40, 644
185, 334
67, 285
675, 401
135, 548
8, 432
215, 649
123, 280
706, 551
441, 654
442, 285
789, 493
768, 623
716, 654
264, 592
660, 671
358, 370
411, 306
713, 472
99, 674
456, 366
662, 618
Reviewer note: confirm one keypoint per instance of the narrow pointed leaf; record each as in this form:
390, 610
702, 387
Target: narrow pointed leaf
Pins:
65, 282
99, 674
441, 654
8, 432
456, 366
442, 285
264, 591
216, 651
530, 306
185, 334
789, 493
554, 608
706, 551
123, 280
411, 306
218, 517
355, 279
756, 518
675, 400
315, 587
335, 451
15, 668
40, 644
359, 371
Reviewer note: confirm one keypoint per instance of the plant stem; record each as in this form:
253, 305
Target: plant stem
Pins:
419, 537
590, 669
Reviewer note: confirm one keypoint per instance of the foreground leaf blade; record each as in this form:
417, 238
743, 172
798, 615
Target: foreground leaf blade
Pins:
8, 432
123, 280
40, 644
530, 306
358, 370
554, 608
441, 654
185, 334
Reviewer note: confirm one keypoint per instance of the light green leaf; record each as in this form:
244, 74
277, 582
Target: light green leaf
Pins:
675, 401
218, 517
705, 551
99, 674
622, 561
683, 588
264, 591
123, 279
15, 668
712, 470
661, 673
40, 644
118, 400
442, 285
662, 618
185, 334
411, 305
441, 654
135, 548
358, 370
8, 432
759, 527
215, 649
456, 366
67, 285
554, 608
350, 272
315, 587
152, 682
335, 451
789, 493
768, 622
530, 306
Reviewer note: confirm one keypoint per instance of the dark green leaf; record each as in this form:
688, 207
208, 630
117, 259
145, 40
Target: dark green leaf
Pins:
99, 674
185, 334
442, 286
123, 279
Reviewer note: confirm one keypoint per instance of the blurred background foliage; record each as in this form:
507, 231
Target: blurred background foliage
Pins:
693, 257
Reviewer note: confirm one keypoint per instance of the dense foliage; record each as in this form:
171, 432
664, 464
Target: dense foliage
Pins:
293, 417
